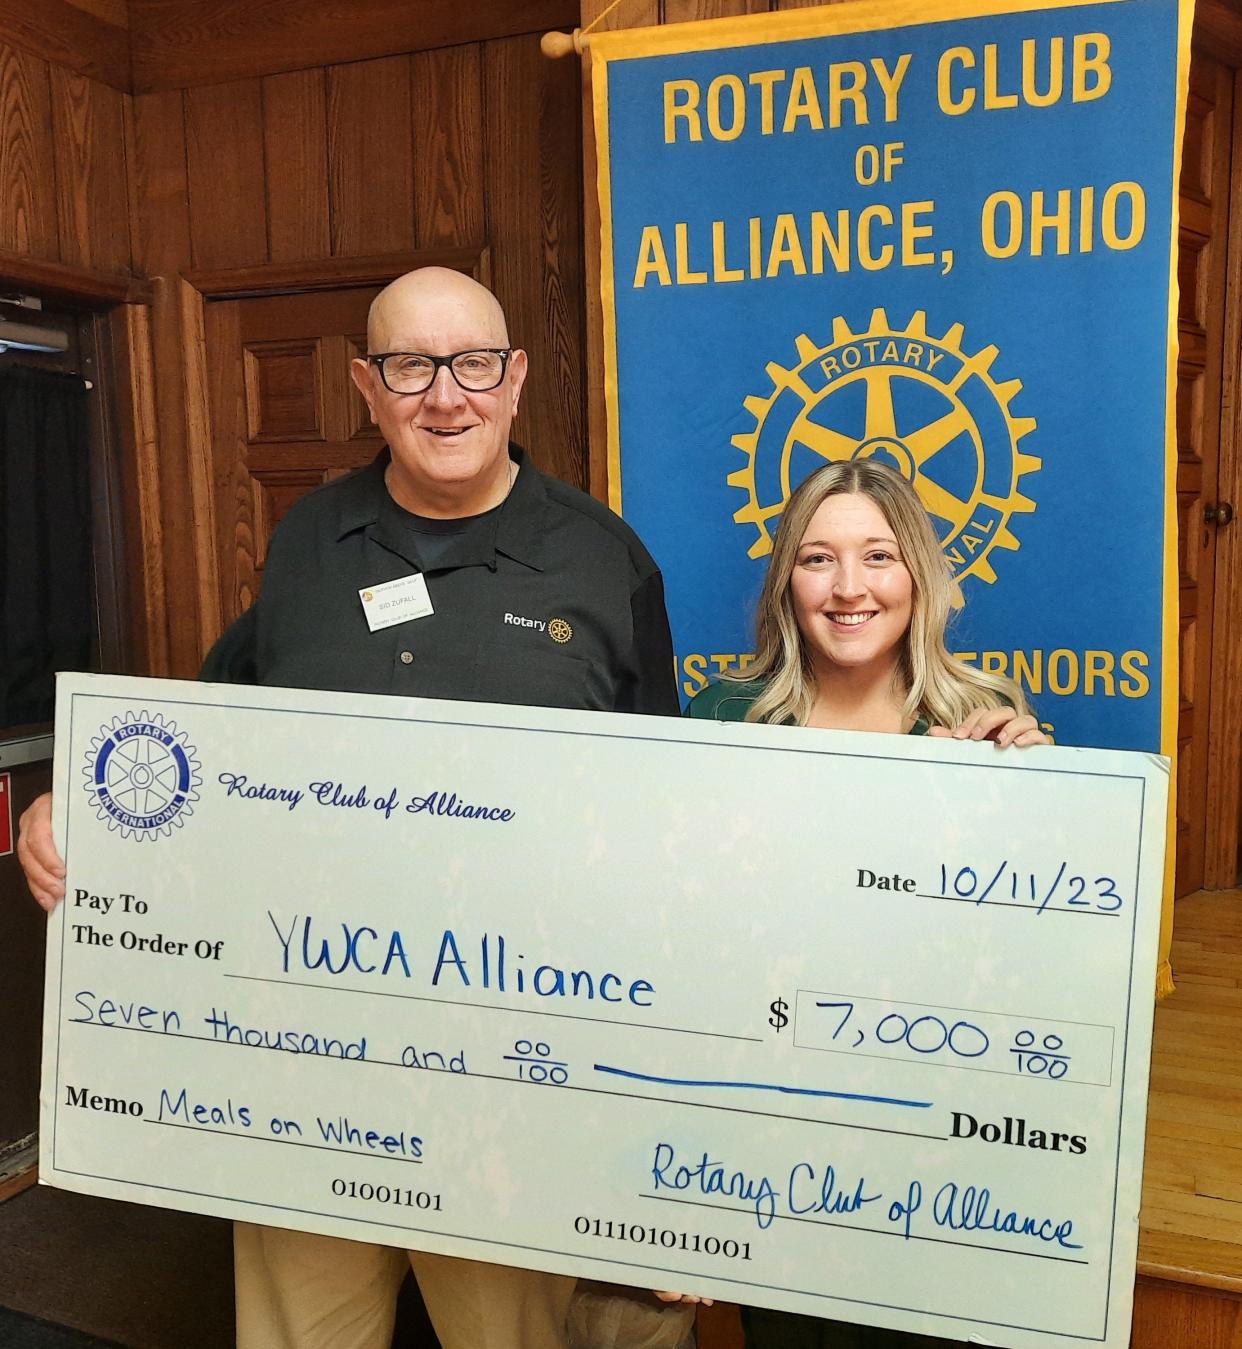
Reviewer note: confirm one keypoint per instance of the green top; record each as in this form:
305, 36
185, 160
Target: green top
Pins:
730, 701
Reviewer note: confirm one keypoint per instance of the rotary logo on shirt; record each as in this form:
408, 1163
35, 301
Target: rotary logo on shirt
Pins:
556, 628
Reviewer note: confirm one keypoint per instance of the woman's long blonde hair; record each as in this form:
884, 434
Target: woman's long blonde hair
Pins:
936, 685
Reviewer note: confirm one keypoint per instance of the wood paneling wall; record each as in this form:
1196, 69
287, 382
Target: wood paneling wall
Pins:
468, 146
185, 42
115, 12
475, 145
139, 46
84, 36
62, 165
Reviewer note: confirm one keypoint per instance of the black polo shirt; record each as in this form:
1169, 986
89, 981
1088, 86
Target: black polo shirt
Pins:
549, 600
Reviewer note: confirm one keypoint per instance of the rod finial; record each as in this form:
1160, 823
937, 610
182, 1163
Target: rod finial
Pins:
555, 45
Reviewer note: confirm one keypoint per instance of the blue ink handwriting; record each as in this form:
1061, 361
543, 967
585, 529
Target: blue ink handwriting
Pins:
353, 951
136, 1015
344, 1132
971, 1209
829, 1199
289, 1041
1028, 888
712, 1177
760, 1086
181, 1107
498, 970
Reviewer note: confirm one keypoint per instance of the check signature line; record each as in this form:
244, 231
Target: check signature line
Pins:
873, 1231
762, 1086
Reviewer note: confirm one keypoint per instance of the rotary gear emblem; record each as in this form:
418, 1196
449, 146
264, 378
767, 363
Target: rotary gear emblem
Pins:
142, 775
920, 404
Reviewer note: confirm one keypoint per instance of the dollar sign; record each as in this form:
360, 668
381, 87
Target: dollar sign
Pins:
778, 1019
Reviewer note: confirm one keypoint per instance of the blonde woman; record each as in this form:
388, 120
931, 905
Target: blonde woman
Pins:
851, 624
851, 636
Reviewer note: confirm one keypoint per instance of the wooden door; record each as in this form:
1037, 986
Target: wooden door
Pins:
285, 416
1206, 167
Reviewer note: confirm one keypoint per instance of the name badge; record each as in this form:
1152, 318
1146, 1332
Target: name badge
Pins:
396, 602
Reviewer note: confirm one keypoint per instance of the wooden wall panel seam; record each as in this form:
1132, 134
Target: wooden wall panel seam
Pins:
489, 230
186, 133
1203, 257
1222, 858
63, 187
202, 483
27, 157
447, 114
92, 203
416, 151
267, 210
295, 138
372, 178
333, 188
116, 177
129, 130
183, 98
55, 161
228, 199
127, 101
146, 454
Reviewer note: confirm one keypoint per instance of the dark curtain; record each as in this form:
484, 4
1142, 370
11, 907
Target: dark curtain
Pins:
47, 587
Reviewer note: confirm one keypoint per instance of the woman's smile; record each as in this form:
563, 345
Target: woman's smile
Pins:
852, 591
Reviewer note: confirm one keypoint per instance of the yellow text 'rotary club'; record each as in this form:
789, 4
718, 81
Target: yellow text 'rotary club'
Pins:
806, 100
857, 94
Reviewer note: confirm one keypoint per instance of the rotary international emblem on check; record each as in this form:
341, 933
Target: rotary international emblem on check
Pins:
142, 775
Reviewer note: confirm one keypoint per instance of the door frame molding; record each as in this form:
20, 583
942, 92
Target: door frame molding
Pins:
195, 290
1224, 722
96, 301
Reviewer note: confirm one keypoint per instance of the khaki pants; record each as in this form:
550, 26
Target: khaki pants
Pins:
609, 1316
296, 1290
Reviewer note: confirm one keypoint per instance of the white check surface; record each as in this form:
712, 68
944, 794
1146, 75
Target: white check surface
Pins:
852, 1025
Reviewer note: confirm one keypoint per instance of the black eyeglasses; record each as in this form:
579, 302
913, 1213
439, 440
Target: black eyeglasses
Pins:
415, 371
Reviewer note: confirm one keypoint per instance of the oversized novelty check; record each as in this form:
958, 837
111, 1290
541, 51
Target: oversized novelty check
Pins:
855, 1025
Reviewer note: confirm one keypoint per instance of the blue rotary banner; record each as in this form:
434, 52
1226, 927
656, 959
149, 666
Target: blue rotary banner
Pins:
943, 236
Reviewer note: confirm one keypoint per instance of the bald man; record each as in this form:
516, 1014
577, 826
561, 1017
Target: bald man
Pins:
539, 596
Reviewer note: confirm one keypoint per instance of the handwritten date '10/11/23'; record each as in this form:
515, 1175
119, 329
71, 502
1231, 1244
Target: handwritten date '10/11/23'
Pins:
1058, 891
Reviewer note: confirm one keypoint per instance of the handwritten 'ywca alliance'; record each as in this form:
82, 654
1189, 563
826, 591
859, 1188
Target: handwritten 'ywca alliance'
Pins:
308, 944
337, 795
